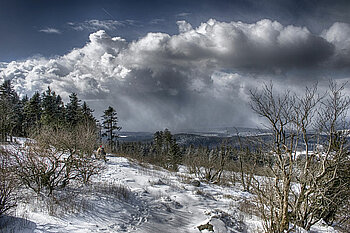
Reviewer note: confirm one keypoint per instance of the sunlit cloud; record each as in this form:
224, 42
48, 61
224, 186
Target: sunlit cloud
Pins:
198, 77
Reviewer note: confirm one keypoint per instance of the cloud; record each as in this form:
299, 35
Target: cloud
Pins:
265, 45
183, 14
50, 30
339, 35
157, 21
95, 24
200, 77
184, 26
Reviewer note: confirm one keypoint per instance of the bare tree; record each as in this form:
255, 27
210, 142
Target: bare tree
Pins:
304, 188
276, 109
8, 183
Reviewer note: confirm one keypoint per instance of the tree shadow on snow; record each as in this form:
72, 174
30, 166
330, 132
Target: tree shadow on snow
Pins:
14, 224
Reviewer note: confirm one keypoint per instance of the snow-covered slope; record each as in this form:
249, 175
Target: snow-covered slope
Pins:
130, 197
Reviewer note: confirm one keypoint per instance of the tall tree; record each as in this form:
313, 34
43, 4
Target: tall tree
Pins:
167, 149
32, 112
18, 119
87, 115
8, 100
73, 110
52, 108
158, 142
60, 110
110, 124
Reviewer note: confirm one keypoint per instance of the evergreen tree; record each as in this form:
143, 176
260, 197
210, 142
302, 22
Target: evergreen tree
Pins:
168, 137
59, 111
32, 112
18, 129
8, 100
87, 115
110, 124
172, 150
73, 110
158, 142
7, 91
167, 149
52, 109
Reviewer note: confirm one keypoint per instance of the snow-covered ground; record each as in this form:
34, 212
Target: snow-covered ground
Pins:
130, 197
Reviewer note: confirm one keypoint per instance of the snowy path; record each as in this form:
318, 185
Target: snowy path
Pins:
168, 205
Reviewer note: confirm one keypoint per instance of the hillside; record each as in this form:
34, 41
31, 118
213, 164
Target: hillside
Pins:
132, 197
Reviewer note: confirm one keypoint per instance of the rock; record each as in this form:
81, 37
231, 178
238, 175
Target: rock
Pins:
207, 226
196, 183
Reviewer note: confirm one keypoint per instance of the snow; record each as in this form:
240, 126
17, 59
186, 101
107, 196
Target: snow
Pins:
131, 197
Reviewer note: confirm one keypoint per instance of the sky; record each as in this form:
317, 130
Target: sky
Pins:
173, 64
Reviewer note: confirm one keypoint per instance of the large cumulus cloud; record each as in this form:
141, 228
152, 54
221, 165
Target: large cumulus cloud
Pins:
199, 77
339, 35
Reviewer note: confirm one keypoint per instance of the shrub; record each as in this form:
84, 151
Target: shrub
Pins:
8, 184
56, 156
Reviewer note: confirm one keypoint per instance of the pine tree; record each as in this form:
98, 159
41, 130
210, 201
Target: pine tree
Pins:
60, 111
32, 112
52, 109
87, 115
8, 100
110, 124
167, 149
158, 142
172, 150
18, 129
167, 136
73, 110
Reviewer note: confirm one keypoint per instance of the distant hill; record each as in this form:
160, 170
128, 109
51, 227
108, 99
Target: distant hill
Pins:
211, 137
198, 137
224, 131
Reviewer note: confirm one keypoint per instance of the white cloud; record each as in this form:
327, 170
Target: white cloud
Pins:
95, 24
184, 26
157, 21
183, 14
339, 35
198, 77
50, 30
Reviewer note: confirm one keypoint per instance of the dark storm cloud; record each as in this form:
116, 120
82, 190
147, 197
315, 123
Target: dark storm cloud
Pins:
199, 77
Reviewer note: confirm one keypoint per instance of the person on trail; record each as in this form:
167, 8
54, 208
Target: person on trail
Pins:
101, 153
